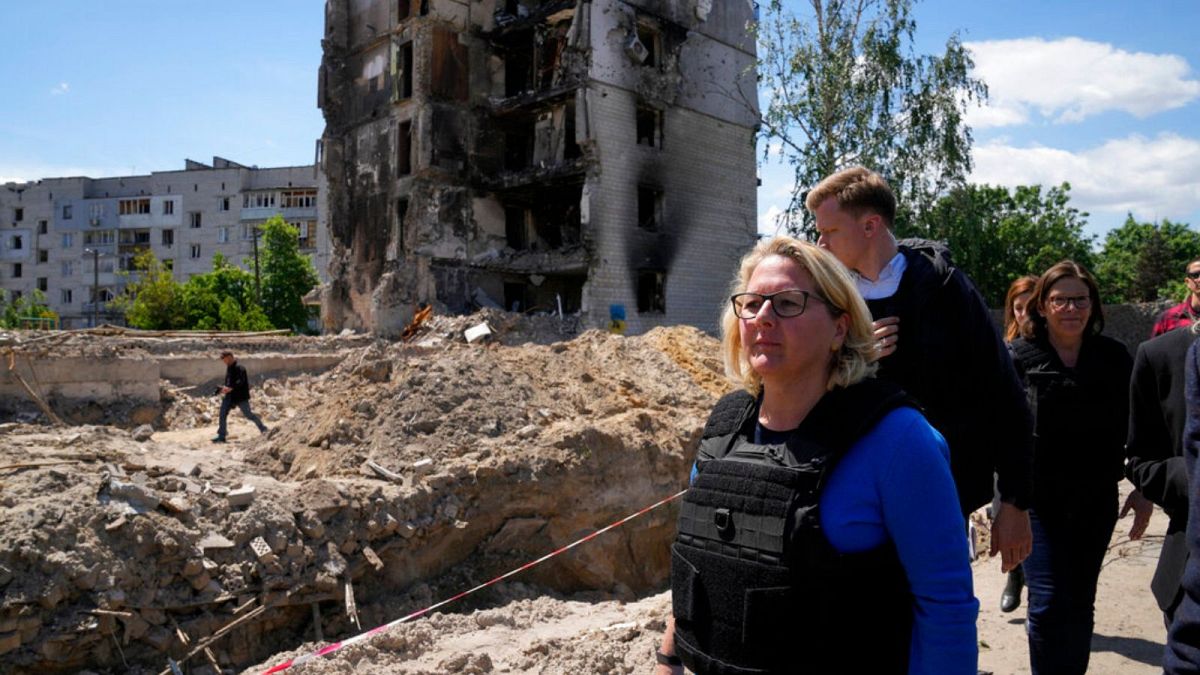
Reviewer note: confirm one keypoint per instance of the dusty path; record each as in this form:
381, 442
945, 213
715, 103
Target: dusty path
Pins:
1129, 636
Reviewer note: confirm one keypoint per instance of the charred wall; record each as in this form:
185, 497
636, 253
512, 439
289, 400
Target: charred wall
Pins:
518, 154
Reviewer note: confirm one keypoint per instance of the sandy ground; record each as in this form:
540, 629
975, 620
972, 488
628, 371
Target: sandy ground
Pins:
1129, 636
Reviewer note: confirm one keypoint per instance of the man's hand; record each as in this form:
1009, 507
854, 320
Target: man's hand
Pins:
887, 334
1012, 537
1142, 510
226, 390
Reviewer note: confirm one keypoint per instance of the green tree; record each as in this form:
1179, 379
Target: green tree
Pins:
204, 299
847, 88
287, 275
996, 234
1123, 268
14, 313
152, 301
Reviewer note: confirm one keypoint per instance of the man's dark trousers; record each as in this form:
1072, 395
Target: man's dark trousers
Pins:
227, 404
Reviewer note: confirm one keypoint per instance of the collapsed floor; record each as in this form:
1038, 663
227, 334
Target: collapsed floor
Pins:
407, 473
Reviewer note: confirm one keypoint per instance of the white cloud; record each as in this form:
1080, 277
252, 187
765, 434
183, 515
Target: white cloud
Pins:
767, 224
1151, 177
62, 88
1070, 79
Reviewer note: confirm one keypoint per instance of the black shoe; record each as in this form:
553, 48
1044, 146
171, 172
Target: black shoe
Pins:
218, 439
1010, 599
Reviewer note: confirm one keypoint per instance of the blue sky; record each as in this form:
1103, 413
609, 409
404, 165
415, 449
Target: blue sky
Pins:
1102, 94
1105, 94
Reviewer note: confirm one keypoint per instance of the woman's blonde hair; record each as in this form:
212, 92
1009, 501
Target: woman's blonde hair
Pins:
853, 362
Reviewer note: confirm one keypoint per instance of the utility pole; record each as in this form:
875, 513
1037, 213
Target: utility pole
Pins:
95, 285
257, 282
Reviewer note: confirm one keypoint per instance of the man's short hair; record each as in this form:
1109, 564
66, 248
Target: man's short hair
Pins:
858, 190
229, 354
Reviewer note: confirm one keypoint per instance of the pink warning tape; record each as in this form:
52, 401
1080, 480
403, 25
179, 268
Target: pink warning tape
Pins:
333, 647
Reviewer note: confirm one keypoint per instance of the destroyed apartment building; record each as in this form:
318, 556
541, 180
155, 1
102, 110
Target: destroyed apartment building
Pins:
589, 157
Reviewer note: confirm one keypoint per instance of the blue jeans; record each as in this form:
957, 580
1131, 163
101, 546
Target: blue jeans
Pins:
244, 406
1069, 544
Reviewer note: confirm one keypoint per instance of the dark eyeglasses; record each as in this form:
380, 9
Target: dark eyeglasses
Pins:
1194, 275
1059, 302
785, 304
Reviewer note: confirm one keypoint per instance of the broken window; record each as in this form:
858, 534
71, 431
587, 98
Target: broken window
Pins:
518, 150
18, 214
223, 203
571, 149
403, 9
518, 68
17, 243
299, 199
404, 163
43, 226
168, 264
649, 208
195, 251
516, 228
43, 284
43, 255
194, 219
651, 291
168, 237
448, 66
649, 126
515, 299
401, 215
17, 270
404, 71
65, 296
550, 55
132, 207
651, 39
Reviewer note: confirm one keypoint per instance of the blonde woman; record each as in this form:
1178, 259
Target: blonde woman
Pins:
822, 531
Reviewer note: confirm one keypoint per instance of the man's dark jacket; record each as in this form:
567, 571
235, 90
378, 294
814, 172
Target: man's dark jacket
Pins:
951, 358
238, 383
1154, 449
1183, 643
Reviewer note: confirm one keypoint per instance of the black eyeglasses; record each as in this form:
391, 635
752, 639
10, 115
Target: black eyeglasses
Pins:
1059, 302
1194, 275
785, 304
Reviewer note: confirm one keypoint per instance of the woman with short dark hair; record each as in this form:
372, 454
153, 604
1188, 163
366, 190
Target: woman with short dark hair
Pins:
1077, 381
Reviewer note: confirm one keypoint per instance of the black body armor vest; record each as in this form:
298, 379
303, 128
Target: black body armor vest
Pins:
756, 586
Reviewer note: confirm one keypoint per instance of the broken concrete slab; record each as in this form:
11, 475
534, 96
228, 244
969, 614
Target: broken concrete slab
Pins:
214, 541
243, 496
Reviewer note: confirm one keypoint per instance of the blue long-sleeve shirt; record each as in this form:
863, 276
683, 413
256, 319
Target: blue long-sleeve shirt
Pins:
895, 483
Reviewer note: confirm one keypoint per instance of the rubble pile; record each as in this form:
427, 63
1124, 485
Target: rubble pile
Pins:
408, 473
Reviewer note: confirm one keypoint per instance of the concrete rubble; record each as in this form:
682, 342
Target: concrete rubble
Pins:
407, 473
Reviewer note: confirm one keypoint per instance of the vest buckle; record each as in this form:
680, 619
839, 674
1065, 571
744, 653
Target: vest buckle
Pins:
724, 522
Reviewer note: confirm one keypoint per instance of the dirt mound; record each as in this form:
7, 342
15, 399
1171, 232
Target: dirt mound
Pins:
408, 473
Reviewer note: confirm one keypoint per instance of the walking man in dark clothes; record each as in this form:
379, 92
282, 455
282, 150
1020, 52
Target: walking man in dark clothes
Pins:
237, 393
1154, 454
952, 358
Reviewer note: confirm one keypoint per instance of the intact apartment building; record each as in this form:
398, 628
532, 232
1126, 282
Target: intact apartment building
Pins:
74, 239
593, 155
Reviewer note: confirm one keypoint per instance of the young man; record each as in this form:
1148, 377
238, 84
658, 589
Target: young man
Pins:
951, 359
236, 393
1185, 312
